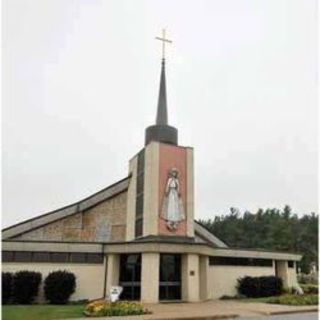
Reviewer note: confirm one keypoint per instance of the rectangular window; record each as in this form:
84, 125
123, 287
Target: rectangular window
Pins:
78, 257
291, 264
139, 227
231, 261
41, 257
139, 195
140, 183
139, 206
59, 257
141, 161
7, 256
94, 258
53, 257
23, 256
130, 276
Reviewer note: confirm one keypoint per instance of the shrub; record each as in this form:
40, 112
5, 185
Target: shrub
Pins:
294, 300
309, 288
6, 287
25, 286
308, 278
256, 287
59, 286
103, 308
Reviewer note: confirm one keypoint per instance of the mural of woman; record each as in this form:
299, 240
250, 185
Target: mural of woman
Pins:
172, 208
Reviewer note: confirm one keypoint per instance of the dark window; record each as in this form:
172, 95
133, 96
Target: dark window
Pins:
63, 257
94, 258
138, 227
78, 257
59, 257
7, 256
290, 264
140, 183
141, 161
170, 277
130, 276
23, 256
41, 257
231, 261
139, 205
139, 195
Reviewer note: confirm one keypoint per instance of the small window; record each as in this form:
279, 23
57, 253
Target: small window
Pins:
140, 161
231, 261
140, 183
139, 205
78, 257
291, 264
41, 257
7, 256
23, 256
94, 258
59, 257
138, 227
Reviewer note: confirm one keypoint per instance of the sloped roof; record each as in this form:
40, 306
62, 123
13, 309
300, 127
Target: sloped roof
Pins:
64, 212
84, 204
208, 236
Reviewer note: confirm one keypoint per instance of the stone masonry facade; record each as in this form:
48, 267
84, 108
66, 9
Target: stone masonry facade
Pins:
105, 222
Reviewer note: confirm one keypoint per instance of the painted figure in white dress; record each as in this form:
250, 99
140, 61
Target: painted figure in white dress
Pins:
172, 208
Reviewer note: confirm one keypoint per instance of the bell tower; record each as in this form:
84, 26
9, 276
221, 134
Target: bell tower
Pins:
161, 191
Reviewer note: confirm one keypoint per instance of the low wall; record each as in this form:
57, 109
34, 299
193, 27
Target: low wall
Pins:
222, 280
89, 277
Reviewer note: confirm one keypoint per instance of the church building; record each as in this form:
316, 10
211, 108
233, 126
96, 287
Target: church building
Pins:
140, 233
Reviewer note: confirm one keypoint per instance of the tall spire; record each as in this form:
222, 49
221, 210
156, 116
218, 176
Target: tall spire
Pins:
161, 131
162, 114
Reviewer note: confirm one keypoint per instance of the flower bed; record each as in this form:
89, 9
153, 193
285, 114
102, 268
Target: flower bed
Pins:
103, 308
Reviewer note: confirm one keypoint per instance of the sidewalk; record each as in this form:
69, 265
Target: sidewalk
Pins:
212, 310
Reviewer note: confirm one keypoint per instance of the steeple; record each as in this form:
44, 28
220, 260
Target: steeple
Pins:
162, 114
161, 131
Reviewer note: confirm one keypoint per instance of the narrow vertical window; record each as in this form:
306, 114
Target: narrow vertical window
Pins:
139, 195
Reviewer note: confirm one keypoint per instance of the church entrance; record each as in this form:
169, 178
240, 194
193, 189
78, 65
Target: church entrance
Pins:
130, 276
170, 277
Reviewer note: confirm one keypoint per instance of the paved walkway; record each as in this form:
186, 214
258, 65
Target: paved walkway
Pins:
296, 316
212, 310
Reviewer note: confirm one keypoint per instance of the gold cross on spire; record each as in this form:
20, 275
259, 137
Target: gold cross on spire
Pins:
164, 40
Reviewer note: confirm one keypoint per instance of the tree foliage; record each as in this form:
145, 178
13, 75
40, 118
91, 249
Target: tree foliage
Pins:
271, 229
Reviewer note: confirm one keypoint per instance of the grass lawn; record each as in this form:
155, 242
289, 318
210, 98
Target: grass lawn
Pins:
288, 299
41, 312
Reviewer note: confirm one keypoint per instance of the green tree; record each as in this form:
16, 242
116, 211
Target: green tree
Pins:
271, 229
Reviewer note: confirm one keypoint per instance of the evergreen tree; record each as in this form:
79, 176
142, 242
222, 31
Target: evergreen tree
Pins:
270, 229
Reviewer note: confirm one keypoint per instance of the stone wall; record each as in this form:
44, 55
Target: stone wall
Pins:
102, 223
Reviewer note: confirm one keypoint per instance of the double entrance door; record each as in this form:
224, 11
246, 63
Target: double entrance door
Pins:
169, 276
130, 276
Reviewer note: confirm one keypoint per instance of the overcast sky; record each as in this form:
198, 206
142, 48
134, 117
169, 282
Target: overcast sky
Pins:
80, 84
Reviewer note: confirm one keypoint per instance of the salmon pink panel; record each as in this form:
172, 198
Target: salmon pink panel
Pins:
172, 157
